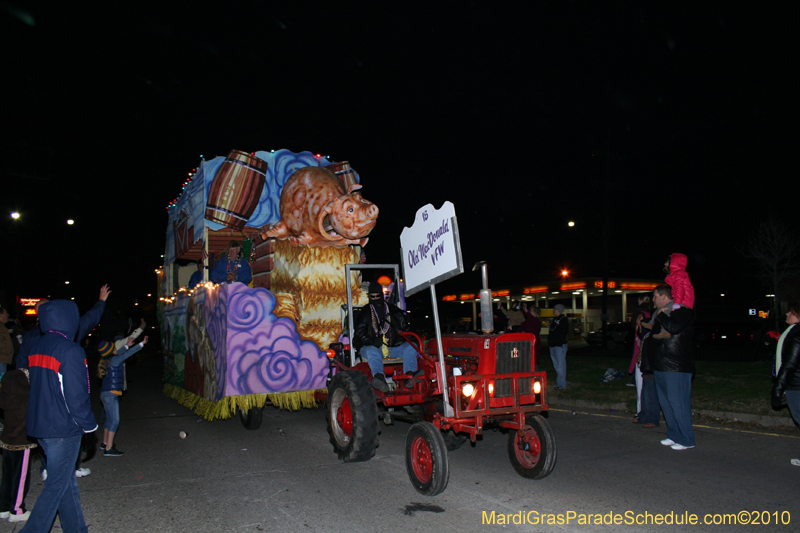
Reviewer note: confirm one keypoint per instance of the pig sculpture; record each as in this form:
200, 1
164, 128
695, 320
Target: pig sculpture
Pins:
316, 210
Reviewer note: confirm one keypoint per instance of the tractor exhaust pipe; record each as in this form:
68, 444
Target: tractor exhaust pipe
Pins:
487, 314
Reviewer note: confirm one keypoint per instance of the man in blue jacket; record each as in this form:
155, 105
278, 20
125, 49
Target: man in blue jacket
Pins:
59, 413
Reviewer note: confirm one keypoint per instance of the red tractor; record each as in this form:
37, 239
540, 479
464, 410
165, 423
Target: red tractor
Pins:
480, 381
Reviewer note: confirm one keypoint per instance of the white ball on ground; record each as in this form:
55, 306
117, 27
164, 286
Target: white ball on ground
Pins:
182, 434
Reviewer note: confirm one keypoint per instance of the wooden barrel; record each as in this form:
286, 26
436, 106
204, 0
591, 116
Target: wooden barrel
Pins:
345, 173
236, 189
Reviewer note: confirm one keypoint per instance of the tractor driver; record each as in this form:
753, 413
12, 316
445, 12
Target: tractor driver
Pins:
377, 336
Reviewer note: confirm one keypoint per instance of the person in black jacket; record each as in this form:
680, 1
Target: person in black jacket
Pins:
377, 336
787, 368
557, 340
671, 352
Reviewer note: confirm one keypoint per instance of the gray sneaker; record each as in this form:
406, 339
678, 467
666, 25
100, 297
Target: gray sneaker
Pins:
112, 452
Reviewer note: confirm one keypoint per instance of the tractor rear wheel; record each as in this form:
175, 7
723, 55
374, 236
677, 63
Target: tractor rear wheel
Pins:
352, 416
252, 418
532, 449
426, 459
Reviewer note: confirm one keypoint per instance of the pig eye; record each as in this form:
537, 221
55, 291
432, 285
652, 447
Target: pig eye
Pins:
350, 210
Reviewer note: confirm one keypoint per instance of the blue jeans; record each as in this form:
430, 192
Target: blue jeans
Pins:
651, 412
793, 397
111, 409
405, 351
558, 354
675, 397
60, 492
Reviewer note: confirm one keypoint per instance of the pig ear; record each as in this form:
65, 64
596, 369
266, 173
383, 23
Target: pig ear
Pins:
353, 187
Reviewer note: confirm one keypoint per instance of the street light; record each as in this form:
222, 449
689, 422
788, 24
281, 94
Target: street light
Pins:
15, 215
70, 222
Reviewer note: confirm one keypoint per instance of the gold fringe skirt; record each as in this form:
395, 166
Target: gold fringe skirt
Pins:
229, 405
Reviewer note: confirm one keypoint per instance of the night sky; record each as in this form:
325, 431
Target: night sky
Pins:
524, 117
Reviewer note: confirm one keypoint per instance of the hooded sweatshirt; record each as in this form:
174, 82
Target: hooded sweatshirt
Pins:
59, 404
678, 279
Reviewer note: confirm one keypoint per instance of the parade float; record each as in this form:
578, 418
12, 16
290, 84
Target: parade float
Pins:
231, 346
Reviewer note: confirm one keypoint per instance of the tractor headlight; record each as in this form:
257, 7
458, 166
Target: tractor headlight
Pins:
468, 389
537, 387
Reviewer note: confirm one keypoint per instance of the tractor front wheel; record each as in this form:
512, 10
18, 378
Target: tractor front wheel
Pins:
532, 449
352, 416
426, 459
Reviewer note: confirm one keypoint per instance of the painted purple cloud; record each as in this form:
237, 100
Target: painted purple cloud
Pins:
265, 353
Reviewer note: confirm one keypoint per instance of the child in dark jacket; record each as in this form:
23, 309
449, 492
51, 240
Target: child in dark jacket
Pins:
112, 371
14, 390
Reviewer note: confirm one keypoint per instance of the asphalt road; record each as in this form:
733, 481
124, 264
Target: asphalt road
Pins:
285, 476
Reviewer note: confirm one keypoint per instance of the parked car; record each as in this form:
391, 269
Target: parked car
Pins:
732, 334
617, 334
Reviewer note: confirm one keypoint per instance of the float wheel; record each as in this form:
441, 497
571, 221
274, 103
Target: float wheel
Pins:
251, 419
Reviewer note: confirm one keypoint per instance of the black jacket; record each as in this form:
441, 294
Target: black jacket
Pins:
364, 334
676, 353
789, 374
559, 330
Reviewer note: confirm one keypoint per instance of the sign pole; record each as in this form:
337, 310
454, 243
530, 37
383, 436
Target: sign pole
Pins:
448, 409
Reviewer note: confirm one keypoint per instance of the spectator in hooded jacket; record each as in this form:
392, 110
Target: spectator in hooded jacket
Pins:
85, 326
787, 368
678, 279
59, 413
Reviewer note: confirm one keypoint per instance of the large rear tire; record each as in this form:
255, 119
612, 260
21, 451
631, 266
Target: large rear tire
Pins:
426, 459
532, 449
252, 418
352, 416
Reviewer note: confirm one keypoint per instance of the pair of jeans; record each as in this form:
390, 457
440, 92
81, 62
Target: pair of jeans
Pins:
675, 397
558, 354
111, 409
651, 411
405, 351
793, 399
60, 492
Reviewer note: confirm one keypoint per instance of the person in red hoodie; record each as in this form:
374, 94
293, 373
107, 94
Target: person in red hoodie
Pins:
678, 279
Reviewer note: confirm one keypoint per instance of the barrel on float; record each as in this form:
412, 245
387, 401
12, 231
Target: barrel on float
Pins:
345, 173
236, 189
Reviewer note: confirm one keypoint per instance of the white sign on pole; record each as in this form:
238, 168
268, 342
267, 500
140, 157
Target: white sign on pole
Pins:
431, 248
